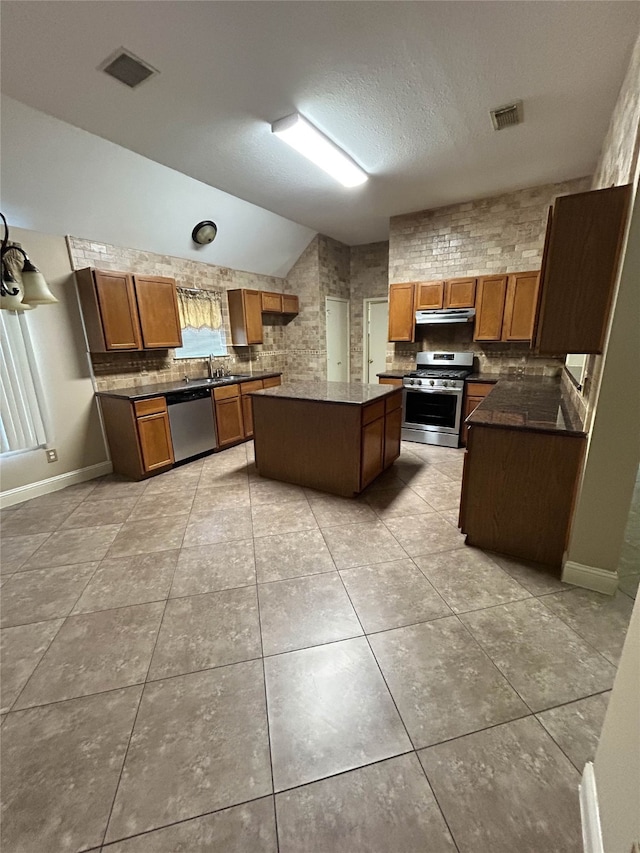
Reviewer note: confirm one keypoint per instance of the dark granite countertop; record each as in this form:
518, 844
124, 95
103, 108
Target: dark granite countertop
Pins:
349, 393
142, 392
533, 403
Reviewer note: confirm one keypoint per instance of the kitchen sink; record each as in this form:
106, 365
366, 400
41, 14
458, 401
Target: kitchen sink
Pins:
220, 380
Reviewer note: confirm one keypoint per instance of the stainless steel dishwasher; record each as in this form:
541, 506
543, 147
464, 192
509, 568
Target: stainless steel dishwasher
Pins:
193, 427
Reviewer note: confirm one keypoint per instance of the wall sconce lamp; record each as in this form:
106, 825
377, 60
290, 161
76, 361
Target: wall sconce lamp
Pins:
32, 290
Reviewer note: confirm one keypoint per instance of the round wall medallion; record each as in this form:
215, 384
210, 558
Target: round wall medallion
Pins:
204, 232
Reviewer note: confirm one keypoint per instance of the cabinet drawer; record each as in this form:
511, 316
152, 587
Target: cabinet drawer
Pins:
272, 302
372, 412
248, 387
150, 407
479, 389
393, 402
272, 381
226, 391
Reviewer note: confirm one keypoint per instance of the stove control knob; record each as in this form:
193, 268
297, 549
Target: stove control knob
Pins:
431, 382
418, 381
446, 383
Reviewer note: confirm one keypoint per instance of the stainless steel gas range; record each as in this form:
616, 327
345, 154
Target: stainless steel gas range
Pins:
432, 398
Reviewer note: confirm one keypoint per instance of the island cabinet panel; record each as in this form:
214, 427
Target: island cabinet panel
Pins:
158, 311
490, 298
520, 306
372, 451
228, 412
518, 491
402, 313
580, 264
138, 434
245, 317
429, 294
333, 446
460, 293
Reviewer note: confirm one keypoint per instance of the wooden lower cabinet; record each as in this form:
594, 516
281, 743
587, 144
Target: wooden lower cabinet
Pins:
227, 405
475, 392
518, 491
139, 435
247, 406
389, 380
272, 381
392, 431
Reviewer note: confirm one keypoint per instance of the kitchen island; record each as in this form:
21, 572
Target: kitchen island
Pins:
333, 436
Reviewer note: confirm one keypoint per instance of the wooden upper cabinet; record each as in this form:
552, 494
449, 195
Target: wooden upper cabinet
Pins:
460, 293
115, 325
580, 265
429, 294
402, 316
290, 303
520, 306
128, 312
490, 299
158, 311
271, 302
245, 317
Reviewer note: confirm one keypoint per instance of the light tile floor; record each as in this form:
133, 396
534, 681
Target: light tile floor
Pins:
213, 661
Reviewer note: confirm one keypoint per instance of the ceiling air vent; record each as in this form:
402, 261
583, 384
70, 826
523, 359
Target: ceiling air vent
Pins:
127, 68
506, 116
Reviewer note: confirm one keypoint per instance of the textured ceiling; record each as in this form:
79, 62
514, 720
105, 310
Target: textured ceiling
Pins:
405, 88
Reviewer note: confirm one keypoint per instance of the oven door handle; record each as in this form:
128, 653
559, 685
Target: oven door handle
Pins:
432, 390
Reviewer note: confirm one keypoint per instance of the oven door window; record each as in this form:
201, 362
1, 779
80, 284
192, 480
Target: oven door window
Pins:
431, 409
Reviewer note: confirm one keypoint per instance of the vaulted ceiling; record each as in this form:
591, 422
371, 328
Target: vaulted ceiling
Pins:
404, 87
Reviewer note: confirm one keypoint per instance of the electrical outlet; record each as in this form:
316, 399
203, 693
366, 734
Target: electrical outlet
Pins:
52, 455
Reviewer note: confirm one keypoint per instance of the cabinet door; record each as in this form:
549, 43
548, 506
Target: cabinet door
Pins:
402, 316
290, 304
470, 404
272, 382
460, 293
392, 430
118, 312
580, 263
490, 307
247, 404
253, 315
229, 423
158, 310
429, 294
372, 451
520, 306
154, 435
271, 302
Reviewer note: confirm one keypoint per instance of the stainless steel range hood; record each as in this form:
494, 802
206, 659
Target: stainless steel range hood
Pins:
438, 316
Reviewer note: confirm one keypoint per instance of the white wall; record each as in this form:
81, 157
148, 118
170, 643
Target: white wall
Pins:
60, 351
58, 179
617, 762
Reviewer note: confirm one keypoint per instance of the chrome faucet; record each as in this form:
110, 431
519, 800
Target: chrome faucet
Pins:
210, 366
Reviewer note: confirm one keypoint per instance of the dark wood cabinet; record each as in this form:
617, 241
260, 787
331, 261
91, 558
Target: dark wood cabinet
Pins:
247, 407
518, 491
124, 311
228, 413
158, 311
429, 294
580, 264
460, 293
520, 306
245, 317
392, 429
402, 316
475, 392
372, 450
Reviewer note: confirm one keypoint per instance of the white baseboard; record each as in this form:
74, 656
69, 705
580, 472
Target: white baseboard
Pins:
590, 577
591, 831
53, 484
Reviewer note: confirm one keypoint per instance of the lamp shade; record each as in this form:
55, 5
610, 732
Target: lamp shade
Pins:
13, 303
36, 289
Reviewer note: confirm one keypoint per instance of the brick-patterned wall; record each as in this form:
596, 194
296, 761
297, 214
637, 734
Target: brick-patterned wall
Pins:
492, 235
306, 350
119, 370
369, 273
334, 281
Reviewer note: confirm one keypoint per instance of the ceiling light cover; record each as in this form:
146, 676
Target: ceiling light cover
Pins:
305, 138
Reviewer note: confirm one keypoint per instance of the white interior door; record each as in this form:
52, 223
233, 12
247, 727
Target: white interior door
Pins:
375, 338
337, 311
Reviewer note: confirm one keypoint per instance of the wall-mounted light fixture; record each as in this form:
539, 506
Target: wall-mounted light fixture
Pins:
300, 134
204, 232
32, 290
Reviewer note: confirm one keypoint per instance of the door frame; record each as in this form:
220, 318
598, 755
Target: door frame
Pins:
346, 302
365, 331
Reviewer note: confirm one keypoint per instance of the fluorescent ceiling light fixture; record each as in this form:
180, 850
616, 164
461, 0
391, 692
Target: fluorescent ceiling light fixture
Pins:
305, 138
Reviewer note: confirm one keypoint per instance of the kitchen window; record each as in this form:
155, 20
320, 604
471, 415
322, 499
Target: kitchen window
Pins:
201, 321
23, 415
